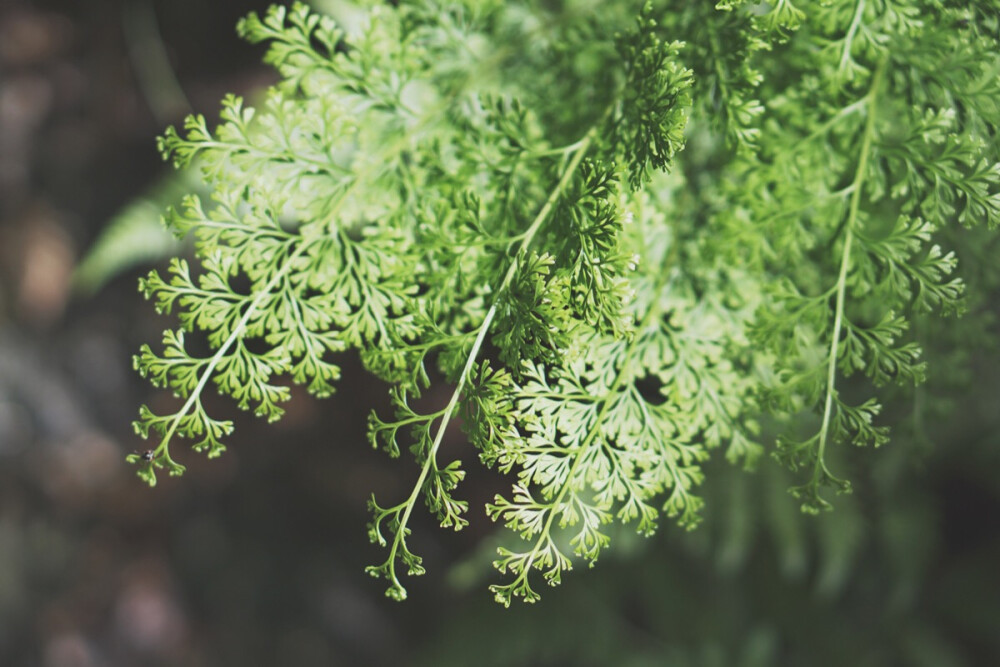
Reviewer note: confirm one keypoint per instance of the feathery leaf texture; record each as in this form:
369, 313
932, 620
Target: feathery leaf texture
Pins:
482, 194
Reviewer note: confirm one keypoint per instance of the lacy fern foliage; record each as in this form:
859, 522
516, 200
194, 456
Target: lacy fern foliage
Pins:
621, 250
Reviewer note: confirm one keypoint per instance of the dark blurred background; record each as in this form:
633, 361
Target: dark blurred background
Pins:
257, 558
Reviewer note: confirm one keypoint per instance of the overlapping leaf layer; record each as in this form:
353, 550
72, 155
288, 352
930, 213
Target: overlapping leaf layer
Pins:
622, 251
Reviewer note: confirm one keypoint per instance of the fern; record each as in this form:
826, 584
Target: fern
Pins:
500, 194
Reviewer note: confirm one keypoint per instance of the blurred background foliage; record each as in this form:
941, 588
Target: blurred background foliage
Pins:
257, 558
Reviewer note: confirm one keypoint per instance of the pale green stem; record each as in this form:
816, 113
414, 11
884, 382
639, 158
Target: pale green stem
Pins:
221, 352
845, 261
581, 150
845, 56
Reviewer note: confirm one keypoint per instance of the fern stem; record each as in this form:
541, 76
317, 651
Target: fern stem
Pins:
845, 261
581, 150
224, 348
845, 56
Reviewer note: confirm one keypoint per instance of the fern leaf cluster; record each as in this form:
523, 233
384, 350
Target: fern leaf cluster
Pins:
622, 251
